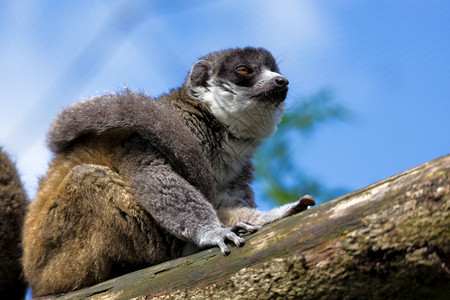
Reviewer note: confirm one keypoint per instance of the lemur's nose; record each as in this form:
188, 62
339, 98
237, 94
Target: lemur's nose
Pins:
280, 81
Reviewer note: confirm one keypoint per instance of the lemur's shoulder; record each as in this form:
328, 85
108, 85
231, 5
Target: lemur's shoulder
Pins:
158, 122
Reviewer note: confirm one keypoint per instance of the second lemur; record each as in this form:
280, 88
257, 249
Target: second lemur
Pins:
13, 205
136, 181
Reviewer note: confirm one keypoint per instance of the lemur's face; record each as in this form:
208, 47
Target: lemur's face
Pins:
242, 88
253, 74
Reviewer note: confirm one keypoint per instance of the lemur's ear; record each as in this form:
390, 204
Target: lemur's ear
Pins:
200, 73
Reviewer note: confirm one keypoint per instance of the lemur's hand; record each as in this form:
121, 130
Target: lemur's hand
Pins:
218, 236
300, 206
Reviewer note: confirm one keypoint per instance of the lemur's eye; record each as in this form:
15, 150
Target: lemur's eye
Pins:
241, 69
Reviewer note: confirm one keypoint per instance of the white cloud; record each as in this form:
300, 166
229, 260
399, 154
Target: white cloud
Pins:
298, 25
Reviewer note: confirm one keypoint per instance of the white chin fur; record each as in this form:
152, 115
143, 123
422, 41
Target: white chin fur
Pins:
245, 118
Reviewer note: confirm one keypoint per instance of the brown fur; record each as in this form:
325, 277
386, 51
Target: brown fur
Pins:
84, 225
13, 202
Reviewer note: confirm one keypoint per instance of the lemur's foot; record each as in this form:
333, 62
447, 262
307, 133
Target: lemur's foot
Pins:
244, 228
300, 206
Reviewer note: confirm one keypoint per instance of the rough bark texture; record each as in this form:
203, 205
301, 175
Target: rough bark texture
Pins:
388, 240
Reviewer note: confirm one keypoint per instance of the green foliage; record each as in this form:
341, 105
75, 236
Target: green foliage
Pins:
281, 179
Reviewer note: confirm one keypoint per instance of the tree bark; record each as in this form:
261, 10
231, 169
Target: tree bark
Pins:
388, 240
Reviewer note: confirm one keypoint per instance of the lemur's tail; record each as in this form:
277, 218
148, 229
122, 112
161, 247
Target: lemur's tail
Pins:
13, 203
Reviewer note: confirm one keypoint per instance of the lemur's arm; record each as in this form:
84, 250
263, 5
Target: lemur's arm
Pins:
181, 209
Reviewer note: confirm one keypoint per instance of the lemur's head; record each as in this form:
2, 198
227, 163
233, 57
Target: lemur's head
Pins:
243, 89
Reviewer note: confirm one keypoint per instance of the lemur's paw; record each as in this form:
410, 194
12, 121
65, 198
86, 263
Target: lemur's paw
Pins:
218, 237
301, 205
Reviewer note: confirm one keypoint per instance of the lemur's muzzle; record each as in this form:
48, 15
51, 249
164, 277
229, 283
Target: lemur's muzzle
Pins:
277, 91
280, 82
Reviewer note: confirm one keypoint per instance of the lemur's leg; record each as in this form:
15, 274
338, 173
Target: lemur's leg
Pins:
253, 216
88, 230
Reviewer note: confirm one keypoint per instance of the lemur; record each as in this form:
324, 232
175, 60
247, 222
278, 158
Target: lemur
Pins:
13, 203
137, 181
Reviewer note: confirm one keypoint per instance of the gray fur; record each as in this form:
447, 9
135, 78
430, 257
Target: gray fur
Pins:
156, 121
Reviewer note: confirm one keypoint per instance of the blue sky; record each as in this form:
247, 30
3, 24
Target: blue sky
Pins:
387, 61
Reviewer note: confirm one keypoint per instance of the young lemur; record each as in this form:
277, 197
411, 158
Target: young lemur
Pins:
13, 203
137, 181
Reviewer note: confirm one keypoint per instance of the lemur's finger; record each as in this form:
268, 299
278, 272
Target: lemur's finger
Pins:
244, 227
239, 242
223, 248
